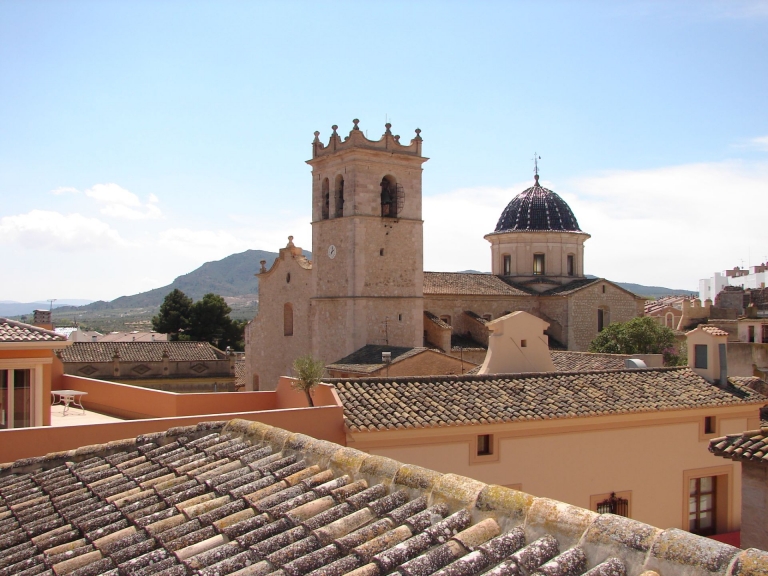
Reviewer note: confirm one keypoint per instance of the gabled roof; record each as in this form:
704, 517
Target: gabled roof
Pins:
425, 402
470, 283
250, 499
368, 358
750, 446
13, 331
141, 351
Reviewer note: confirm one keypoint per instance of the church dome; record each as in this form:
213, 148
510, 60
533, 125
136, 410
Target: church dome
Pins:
537, 208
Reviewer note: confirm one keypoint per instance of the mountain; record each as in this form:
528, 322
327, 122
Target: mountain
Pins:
651, 291
234, 275
11, 308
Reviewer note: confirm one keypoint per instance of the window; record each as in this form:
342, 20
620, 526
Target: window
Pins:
446, 319
523, 343
710, 425
670, 319
765, 334
381, 252
701, 505
399, 317
389, 193
603, 318
15, 398
507, 267
700, 356
287, 320
326, 198
484, 445
487, 317
339, 204
603, 288
750, 333
538, 264
569, 265
613, 505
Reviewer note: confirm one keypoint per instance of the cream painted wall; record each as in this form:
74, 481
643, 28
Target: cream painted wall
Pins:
571, 467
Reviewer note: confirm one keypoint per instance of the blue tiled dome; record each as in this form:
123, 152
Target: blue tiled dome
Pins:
537, 208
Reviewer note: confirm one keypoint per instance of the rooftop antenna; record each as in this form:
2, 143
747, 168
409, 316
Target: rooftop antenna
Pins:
51, 301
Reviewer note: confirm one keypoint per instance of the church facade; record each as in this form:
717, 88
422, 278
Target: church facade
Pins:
366, 283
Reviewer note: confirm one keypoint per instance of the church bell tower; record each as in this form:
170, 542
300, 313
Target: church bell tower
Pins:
367, 243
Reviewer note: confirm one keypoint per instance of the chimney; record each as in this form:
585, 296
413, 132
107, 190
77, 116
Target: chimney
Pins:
707, 353
42, 319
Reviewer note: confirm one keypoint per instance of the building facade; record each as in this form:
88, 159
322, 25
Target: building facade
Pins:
366, 284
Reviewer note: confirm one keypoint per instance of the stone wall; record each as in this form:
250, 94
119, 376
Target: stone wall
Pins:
269, 352
754, 505
582, 311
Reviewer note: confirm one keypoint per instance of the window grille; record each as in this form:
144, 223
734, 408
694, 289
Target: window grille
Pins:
614, 505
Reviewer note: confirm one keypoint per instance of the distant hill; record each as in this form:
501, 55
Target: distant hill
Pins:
234, 275
651, 291
11, 308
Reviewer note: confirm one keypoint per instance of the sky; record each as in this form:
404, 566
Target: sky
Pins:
140, 139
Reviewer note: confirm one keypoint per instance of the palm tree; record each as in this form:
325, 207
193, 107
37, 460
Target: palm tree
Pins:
308, 372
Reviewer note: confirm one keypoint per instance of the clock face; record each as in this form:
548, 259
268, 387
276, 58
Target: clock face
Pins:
331, 251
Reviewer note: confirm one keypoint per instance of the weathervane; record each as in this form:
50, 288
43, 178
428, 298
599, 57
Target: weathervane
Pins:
536, 159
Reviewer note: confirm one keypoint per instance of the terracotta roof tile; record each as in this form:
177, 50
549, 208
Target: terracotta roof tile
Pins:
714, 331
750, 446
468, 283
566, 361
141, 351
435, 320
403, 403
89, 515
12, 331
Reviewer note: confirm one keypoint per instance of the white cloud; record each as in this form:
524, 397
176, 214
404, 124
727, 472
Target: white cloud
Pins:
117, 202
64, 190
48, 230
761, 143
666, 226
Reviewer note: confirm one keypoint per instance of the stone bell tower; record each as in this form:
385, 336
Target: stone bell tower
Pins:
367, 243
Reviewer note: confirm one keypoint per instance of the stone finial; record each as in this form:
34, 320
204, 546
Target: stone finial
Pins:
536, 177
418, 134
388, 126
397, 138
116, 355
263, 267
355, 122
165, 353
290, 242
317, 136
334, 128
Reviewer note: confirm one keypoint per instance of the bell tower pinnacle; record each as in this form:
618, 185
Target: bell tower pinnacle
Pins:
367, 242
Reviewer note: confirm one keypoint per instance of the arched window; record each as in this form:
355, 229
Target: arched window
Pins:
288, 319
326, 198
570, 264
538, 264
507, 264
388, 197
339, 197
670, 320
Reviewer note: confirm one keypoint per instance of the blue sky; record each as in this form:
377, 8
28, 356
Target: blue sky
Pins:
141, 139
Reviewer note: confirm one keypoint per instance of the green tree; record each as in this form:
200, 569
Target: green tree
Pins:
209, 321
174, 314
308, 372
638, 336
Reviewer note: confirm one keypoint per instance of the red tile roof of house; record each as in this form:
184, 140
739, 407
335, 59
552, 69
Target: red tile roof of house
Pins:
13, 331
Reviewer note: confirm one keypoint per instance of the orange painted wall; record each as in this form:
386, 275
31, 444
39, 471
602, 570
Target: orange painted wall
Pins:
52, 373
326, 423
133, 402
